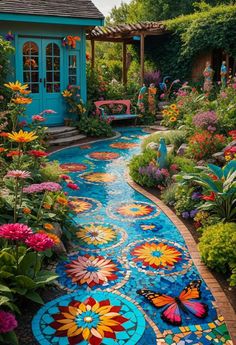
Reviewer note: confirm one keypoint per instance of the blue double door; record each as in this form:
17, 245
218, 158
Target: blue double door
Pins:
41, 64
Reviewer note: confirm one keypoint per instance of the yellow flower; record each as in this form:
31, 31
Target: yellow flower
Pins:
227, 158
22, 100
22, 137
173, 106
48, 226
17, 86
173, 119
66, 93
96, 234
25, 92
165, 112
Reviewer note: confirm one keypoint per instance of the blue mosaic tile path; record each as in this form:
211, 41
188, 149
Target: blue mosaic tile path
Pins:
123, 243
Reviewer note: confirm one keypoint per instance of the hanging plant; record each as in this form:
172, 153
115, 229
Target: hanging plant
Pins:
70, 41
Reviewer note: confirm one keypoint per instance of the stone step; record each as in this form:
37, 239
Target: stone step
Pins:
59, 130
158, 128
66, 141
159, 117
63, 134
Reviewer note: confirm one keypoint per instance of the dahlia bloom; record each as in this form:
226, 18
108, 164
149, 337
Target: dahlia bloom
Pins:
15, 232
37, 153
38, 118
18, 174
41, 187
39, 242
7, 322
72, 186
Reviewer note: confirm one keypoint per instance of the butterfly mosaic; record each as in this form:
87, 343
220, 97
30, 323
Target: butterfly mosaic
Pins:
187, 302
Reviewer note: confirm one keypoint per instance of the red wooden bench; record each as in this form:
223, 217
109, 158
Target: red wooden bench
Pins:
113, 117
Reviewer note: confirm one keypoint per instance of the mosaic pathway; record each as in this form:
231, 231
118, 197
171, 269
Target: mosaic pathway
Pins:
130, 278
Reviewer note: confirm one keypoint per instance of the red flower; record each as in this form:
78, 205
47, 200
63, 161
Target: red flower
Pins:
14, 153
233, 134
210, 197
39, 242
65, 177
213, 177
37, 153
4, 134
72, 186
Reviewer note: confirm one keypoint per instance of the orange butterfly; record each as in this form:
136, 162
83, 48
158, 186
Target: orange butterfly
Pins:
185, 302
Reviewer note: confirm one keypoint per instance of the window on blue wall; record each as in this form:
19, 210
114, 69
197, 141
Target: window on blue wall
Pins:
52, 68
72, 73
31, 66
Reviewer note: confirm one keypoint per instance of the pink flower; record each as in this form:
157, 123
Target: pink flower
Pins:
22, 123
41, 187
162, 96
234, 86
39, 242
7, 322
15, 232
18, 174
38, 118
174, 167
72, 186
165, 172
48, 111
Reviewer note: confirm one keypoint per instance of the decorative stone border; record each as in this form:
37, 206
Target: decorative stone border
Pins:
223, 305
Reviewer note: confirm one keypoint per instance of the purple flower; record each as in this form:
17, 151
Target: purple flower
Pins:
42, 187
152, 77
7, 322
196, 196
185, 215
193, 213
205, 119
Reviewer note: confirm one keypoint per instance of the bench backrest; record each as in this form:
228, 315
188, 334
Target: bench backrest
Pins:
127, 103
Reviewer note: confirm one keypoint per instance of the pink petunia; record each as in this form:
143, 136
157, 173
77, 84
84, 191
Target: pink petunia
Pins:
39, 242
41, 187
38, 118
15, 232
18, 174
7, 322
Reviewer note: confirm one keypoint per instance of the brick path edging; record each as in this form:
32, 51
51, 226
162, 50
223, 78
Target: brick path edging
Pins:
223, 305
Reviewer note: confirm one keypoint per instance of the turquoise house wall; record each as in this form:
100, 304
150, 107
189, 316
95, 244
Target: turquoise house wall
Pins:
45, 31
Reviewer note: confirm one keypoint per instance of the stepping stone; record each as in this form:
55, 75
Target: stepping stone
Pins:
66, 141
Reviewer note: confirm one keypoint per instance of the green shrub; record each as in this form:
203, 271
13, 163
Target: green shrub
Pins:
176, 138
140, 161
217, 247
51, 172
185, 164
94, 126
6, 50
169, 194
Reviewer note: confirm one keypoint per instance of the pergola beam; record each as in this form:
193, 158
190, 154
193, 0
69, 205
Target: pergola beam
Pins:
124, 71
142, 49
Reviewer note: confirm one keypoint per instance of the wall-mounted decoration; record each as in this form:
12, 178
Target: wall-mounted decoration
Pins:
70, 41
9, 36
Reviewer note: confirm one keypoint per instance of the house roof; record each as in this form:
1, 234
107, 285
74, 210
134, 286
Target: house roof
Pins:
126, 32
57, 8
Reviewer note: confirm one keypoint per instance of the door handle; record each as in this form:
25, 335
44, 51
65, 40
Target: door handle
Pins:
44, 82
40, 80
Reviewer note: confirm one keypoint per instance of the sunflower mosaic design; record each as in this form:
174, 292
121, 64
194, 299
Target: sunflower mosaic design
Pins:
133, 210
150, 226
99, 177
104, 155
73, 167
123, 145
95, 236
90, 319
83, 205
154, 256
90, 271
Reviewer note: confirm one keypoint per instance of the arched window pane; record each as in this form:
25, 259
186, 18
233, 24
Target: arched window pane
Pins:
31, 65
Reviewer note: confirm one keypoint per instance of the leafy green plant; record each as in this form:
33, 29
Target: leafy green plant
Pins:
176, 138
186, 165
141, 161
51, 171
168, 195
95, 126
217, 247
219, 189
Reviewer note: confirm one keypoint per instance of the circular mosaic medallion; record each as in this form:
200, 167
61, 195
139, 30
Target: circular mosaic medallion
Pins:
123, 145
91, 271
90, 318
96, 236
158, 256
99, 177
104, 155
83, 205
133, 210
73, 167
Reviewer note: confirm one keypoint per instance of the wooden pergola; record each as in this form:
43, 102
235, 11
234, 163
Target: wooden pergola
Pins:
126, 34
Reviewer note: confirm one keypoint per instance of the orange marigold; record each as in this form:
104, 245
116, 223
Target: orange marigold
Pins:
46, 206
62, 201
54, 237
26, 210
48, 226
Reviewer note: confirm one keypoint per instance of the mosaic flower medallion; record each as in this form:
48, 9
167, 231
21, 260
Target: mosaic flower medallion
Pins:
130, 211
149, 227
73, 167
96, 236
123, 145
99, 177
103, 155
89, 318
84, 206
158, 256
91, 271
